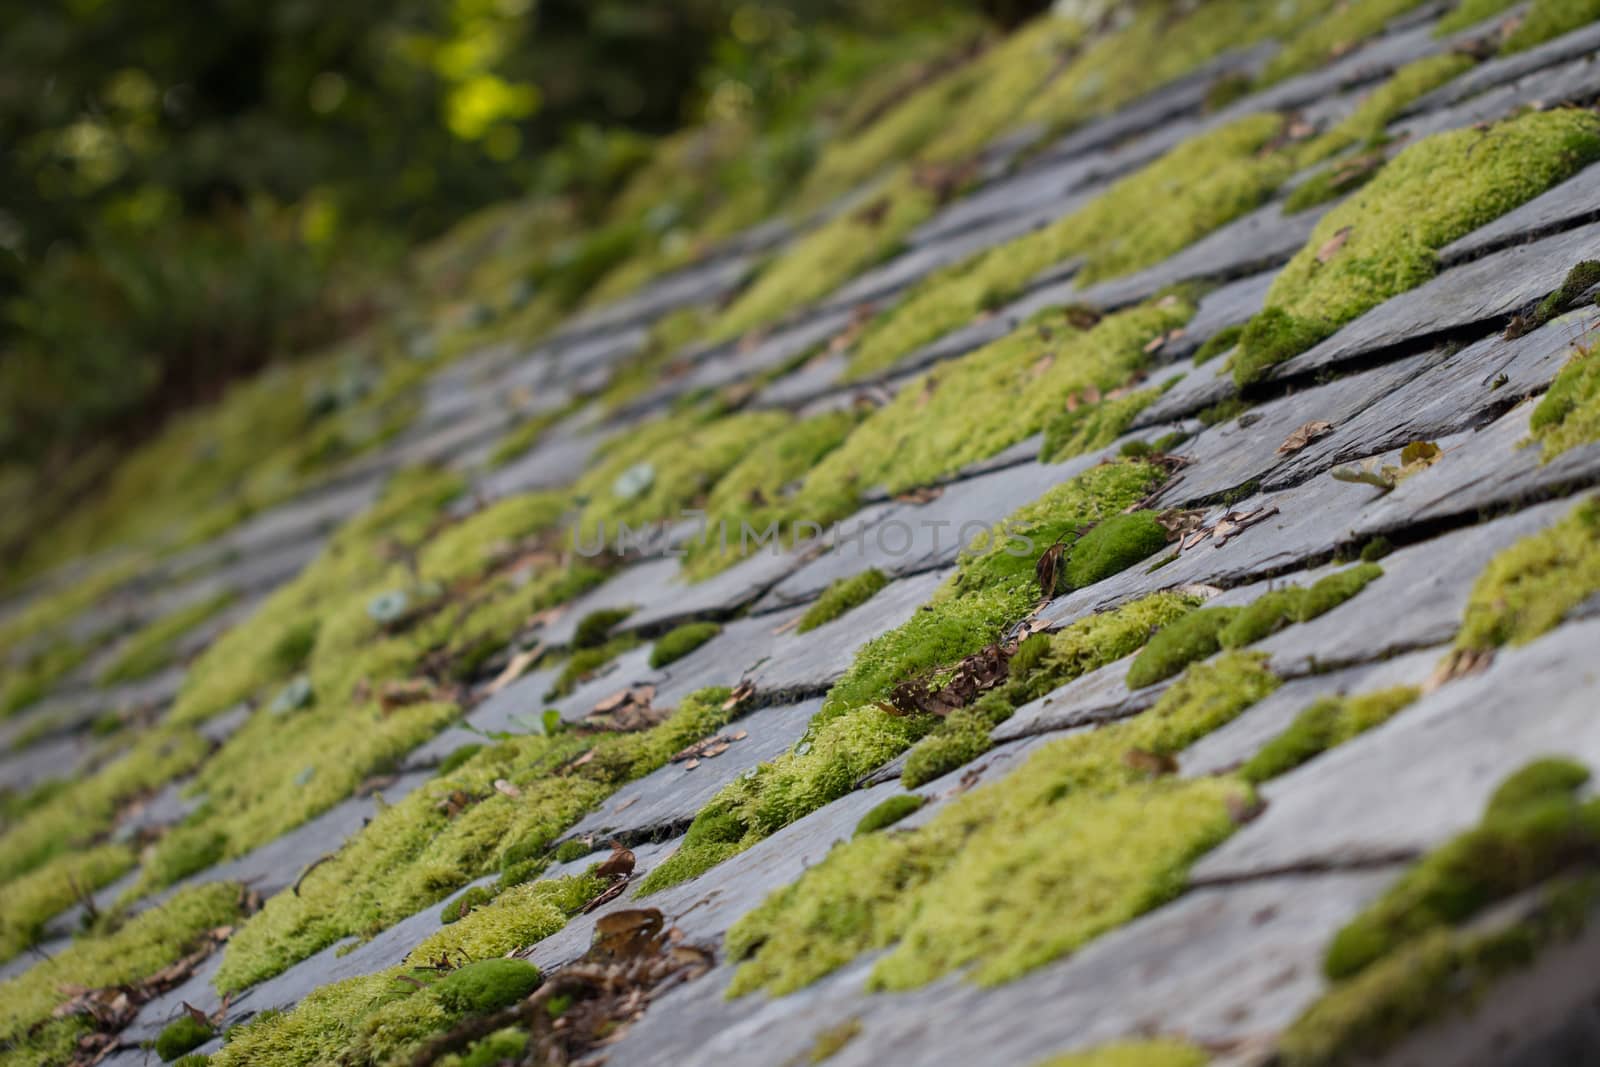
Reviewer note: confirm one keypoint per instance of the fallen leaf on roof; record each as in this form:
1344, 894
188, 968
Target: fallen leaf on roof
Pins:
1048, 568
516, 668
1304, 436
1330, 248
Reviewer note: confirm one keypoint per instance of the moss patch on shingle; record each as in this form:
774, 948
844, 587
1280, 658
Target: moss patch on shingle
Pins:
680, 641
965, 890
1158, 1053
1326, 724
1569, 413
1385, 238
1529, 587
841, 597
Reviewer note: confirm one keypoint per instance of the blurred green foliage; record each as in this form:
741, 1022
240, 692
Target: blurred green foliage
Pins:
192, 192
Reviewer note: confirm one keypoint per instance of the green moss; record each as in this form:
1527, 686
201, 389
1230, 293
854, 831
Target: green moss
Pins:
755, 491
30, 901
1328, 593
594, 629
194, 1059
458, 757
970, 408
27, 684
574, 849
1113, 546
1078, 825
1539, 828
140, 947
889, 812
831, 1041
499, 1046
585, 662
151, 648
458, 828
1182, 642
1421, 952
1569, 413
81, 812
1549, 19
1394, 226
183, 1034
1333, 34
486, 986
842, 595
1159, 1053
1579, 280
1200, 185
1092, 426
1223, 411
1529, 587
655, 470
461, 906
1325, 724
1218, 343
680, 641
1470, 13
523, 436
1367, 123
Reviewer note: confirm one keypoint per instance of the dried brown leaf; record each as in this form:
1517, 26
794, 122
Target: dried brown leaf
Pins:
1304, 436
1330, 248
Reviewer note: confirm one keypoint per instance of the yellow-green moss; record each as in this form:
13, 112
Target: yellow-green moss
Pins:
1529, 587
851, 734
1569, 414
842, 595
1160, 1053
1198, 186
453, 830
1406, 960
84, 810
889, 812
1042, 663
680, 641
1393, 227
1534, 828
181, 1035
1091, 426
1330, 36
1470, 13
522, 915
831, 1041
1079, 825
1112, 546
1549, 19
585, 662
28, 902
151, 648
654, 471
31, 680
973, 407
142, 946
1325, 724
754, 492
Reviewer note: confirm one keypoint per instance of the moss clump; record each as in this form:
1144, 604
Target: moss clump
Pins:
574, 849
1549, 19
1333, 34
1470, 13
458, 828
1079, 826
462, 906
586, 662
1180, 643
842, 596
458, 757
680, 641
754, 493
970, 408
1384, 239
830, 1041
1042, 663
1163, 1053
994, 587
30, 901
1203, 183
1409, 958
491, 1051
139, 948
488, 985
889, 812
1528, 588
594, 629
1207, 631
1579, 280
151, 648
1113, 546
1569, 413
1218, 343
1092, 426
1325, 724
183, 1034
29, 683
1535, 827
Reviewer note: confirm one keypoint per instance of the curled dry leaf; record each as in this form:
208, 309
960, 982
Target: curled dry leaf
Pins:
1330, 248
1304, 436
1155, 764
617, 865
1048, 569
